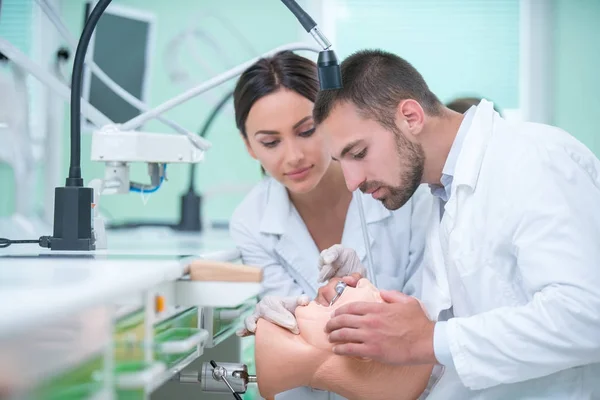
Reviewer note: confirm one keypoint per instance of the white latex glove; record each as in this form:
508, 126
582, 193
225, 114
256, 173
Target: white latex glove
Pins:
275, 309
339, 261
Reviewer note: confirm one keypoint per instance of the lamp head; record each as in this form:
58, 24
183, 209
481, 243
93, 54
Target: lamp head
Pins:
330, 76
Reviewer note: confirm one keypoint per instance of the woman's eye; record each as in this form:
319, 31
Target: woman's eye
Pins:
270, 144
360, 155
307, 133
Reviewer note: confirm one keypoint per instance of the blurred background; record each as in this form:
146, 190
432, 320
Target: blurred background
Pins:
536, 60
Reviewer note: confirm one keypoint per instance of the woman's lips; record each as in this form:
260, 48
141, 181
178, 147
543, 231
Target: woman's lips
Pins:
299, 173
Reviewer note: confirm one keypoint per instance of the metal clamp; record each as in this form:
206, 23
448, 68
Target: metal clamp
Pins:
220, 373
223, 378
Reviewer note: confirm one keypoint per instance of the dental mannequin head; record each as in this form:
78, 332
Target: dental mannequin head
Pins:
285, 361
273, 102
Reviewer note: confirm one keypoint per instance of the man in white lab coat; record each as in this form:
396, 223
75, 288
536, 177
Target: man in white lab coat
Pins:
511, 280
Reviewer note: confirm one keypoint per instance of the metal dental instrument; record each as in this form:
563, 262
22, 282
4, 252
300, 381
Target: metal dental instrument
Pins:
339, 289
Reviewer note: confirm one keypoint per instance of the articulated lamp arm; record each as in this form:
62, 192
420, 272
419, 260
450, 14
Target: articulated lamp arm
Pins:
209, 84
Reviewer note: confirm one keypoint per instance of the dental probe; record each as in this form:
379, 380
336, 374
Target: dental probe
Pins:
339, 289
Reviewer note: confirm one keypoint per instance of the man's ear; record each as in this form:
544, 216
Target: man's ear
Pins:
249, 148
410, 116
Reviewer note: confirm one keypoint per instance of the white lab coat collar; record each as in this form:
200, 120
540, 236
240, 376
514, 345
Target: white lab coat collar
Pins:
474, 146
477, 137
296, 246
294, 243
436, 288
279, 209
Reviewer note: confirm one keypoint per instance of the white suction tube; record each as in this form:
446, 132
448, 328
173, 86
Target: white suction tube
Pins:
365, 232
209, 84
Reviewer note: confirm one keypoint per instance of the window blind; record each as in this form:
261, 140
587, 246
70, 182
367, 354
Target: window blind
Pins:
16, 20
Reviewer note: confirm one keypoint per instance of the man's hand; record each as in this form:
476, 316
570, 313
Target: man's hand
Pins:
339, 261
327, 292
275, 309
396, 332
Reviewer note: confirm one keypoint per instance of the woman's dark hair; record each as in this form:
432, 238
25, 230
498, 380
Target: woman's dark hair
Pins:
283, 70
462, 104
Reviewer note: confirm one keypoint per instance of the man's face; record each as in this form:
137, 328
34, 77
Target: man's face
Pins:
374, 159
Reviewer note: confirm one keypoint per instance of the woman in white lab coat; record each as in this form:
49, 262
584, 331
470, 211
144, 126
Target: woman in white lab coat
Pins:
303, 206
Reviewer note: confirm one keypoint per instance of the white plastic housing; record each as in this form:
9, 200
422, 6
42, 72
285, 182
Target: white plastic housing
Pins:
131, 146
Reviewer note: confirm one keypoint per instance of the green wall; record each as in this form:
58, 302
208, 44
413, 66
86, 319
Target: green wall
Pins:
577, 69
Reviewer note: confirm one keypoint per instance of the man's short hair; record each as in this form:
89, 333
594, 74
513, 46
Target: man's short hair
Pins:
376, 81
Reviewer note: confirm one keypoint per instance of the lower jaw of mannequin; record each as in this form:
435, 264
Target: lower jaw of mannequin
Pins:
277, 374
343, 375
363, 379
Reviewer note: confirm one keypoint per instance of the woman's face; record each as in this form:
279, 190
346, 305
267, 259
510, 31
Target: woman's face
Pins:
281, 136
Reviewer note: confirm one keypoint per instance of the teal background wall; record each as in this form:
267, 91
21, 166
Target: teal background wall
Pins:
15, 18
265, 23
577, 69
461, 47
15, 15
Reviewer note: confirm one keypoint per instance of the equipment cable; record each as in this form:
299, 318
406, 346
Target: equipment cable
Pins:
43, 241
74, 178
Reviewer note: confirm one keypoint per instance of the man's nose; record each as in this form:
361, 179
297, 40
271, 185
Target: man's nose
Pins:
353, 176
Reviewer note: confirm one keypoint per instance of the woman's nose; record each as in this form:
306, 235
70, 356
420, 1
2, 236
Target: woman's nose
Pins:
294, 152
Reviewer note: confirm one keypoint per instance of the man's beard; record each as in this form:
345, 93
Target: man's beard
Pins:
412, 162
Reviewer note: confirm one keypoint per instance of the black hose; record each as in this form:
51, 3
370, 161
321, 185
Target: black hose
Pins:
74, 178
305, 20
204, 130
